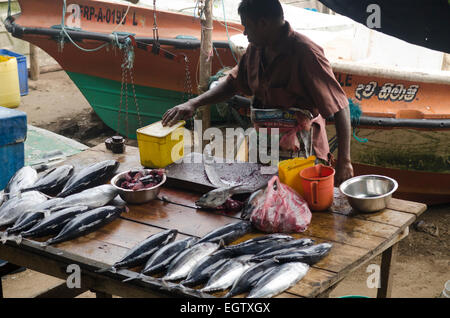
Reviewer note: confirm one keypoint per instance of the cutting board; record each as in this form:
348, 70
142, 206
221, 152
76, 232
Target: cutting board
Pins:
190, 174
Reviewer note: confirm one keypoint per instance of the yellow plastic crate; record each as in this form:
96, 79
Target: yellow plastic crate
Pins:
9, 82
289, 170
160, 146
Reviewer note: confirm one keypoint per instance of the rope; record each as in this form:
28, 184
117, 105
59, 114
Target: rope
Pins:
355, 114
64, 33
226, 28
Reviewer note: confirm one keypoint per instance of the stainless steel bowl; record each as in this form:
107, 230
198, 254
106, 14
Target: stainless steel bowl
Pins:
369, 193
137, 196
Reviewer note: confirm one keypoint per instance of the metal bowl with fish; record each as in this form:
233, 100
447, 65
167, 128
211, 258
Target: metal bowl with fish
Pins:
369, 193
139, 185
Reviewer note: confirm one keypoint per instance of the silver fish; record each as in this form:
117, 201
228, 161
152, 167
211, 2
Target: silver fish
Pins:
163, 256
53, 181
309, 255
227, 274
278, 280
181, 266
250, 277
216, 197
2, 197
291, 246
87, 222
15, 207
33, 216
252, 202
90, 176
140, 253
206, 267
227, 233
93, 197
24, 177
258, 244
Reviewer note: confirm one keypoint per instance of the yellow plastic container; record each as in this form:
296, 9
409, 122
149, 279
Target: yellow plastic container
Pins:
9, 82
160, 146
289, 170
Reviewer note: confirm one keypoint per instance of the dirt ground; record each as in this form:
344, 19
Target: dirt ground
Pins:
423, 261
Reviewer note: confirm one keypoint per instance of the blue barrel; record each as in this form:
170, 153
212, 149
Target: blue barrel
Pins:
13, 132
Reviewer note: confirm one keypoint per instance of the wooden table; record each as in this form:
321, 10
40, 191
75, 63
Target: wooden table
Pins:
357, 238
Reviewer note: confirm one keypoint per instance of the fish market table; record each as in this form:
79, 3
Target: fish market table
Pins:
357, 239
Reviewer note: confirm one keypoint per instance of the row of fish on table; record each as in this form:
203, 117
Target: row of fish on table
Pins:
60, 203
264, 266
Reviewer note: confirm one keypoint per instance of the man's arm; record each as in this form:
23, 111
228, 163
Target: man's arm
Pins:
222, 92
344, 168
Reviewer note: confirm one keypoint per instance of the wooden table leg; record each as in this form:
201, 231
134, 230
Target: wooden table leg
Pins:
387, 261
102, 295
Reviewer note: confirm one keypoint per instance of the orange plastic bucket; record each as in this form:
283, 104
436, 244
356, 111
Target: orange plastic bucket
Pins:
318, 186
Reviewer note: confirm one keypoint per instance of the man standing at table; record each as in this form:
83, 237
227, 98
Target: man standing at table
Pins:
285, 70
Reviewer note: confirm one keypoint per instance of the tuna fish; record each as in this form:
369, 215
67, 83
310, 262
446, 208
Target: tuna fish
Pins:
181, 266
205, 268
12, 209
227, 274
139, 254
53, 181
216, 197
250, 277
279, 279
89, 177
28, 219
309, 255
291, 246
23, 178
87, 223
258, 244
252, 202
228, 233
162, 258
93, 198
53, 223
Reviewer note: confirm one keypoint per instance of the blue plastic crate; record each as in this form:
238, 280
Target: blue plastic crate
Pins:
13, 132
21, 68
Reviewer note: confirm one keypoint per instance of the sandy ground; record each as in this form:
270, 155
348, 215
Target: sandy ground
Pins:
423, 262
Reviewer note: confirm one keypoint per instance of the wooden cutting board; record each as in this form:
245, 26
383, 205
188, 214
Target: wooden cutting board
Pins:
190, 174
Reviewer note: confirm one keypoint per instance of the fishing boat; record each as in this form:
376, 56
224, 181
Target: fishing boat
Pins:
134, 62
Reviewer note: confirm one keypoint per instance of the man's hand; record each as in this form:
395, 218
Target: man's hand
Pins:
177, 113
344, 171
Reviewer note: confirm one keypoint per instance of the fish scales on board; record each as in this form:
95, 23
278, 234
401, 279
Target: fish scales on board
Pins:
87, 223
227, 274
139, 254
181, 266
205, 268
89, 177
228, 233
12, 209
258, 244
278, 280
52, 182
23, 178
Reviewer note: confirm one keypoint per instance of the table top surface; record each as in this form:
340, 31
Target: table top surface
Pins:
356, 237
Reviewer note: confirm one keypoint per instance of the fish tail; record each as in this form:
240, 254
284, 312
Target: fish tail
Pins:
103, 270
4, 237
17, 238
45, 244
132, 278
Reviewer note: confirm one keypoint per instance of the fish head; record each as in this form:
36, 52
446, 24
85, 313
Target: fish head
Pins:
213, 198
